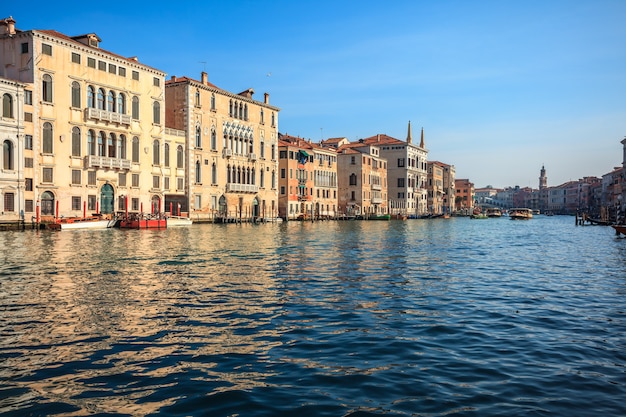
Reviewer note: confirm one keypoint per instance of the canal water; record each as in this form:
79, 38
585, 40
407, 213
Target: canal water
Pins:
397, 318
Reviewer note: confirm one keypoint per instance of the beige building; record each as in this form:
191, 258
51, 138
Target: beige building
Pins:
441, 191
13, 187
98, 123
361, 180
231, 150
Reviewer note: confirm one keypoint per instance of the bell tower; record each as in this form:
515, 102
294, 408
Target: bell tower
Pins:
543, 180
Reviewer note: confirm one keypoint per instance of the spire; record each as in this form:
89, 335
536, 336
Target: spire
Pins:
422, 139
409, 136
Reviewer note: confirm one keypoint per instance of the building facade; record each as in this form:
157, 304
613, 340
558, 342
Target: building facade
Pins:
231, 149
97, 123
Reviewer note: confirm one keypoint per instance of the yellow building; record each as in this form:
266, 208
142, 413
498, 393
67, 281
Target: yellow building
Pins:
98, 122
230, 152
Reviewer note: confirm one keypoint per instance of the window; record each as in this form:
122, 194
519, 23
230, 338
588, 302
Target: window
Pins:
353, 160
156, 157
47, 176
102, 66
121, 147
213, 101
28, 206
180, 183
400, 162
91, 202
46, 49
28, 184
180, 157
112, 69
75, 58
28, 116
91, 142
273, 120
401, 182
353, 179
156, 181
91, 62
100, 99
135, 180
47, 138
135, 150
156, 112
75, 141
135, 75
198, 173
75, 94
76, 176
9, 202
261, 117
111, 145
121, 71
111, 101
28, 97
213, 139
46, 88
25, 48
283, 173
7, 155
213, 174
7, 106
28, 162
91, 177
121, 103
197, 98
166, 155
198, 137
156, 82
122, 179
101, 144
135, 109
91, 97
166, 183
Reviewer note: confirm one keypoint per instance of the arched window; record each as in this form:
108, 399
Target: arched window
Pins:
135, 151
198, 173
75, 94
91, 97
262, 121
91, 142
213, 101
121, 147
46, 145
180, 160
213, 139
273, 120
230, 108
353, 179
273, 179
245, 112
156, 112
101, 143
121, 103
135, 109
100, 102
111, 145
47, 203
166, 155
111, 101
240, 110
262, 178
197, 97
156, 155
213, 174
228, 179
7, 155
198, 137
46, 88
7, 106
75, 141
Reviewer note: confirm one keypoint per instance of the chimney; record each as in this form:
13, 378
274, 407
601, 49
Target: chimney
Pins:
9, 26
173, 78
266, 98
205, 77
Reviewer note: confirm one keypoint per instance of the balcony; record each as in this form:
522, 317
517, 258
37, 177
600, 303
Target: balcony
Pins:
227, 153
106, 162
108, 116
252, 157
377, 200
377, 187
302, 197
241, 188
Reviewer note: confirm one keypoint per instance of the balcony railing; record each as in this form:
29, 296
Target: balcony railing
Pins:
241, 188
377, 187
108, 116
93, 161
227, 153
252, 157
377, 200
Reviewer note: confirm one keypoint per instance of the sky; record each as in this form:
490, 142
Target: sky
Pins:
501, 88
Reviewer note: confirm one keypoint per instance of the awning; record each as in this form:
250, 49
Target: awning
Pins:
304, 153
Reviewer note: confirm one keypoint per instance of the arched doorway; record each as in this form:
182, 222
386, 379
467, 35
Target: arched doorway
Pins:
223, 208
156, 204
106, 199
47, 204
256, 207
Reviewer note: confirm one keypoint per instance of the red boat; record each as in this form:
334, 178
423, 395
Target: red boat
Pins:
619, 228
142, 222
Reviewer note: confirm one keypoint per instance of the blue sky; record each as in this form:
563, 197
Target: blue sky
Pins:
500, 87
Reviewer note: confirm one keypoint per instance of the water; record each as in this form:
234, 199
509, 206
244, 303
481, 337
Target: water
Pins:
416, 318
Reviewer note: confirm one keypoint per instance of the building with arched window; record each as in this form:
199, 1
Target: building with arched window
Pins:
96, 136
229, 154
12, 135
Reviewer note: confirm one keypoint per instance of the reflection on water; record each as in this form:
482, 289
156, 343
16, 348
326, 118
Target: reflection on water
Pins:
329, 318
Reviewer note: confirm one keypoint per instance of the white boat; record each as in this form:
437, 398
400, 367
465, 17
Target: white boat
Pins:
93, 222
520, 213
176, 221
494, 212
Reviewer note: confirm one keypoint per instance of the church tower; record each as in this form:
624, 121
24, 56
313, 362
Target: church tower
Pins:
543, 180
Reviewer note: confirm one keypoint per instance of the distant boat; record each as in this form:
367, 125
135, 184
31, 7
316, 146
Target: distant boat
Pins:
494, 212
520, 214
479, 216
91, 222
176, 221
619, 228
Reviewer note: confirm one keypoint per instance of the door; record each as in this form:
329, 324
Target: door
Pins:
106, 199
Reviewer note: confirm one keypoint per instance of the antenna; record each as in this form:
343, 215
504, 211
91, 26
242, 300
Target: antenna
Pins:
204, 65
